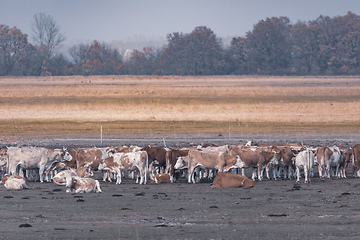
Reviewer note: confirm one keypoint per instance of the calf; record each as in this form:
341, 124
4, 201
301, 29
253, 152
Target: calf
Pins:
161, 178
304, 161
14, 182
77, 184
231, 180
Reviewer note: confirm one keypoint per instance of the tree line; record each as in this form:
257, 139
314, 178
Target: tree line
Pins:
275, 46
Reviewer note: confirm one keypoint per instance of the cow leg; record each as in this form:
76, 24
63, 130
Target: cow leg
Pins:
243, 171
297, 174
253, 175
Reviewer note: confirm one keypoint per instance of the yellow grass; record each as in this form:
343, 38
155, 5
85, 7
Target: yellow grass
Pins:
176, 104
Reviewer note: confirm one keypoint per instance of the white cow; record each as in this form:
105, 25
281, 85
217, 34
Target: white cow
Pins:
60, 178
304, 161
29, 158
76, 184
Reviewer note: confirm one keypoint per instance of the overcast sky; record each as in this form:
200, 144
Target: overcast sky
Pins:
109, 20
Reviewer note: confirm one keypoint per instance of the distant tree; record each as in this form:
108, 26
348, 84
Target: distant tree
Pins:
197, 53
141, 62
237, 56
95, 59
269, 46
47, 32
14, 49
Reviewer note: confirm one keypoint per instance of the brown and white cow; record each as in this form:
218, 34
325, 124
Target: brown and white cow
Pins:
161, 178
171, 157
13, 182
130, 161
76, 184
204, 160
356, 160
328, 158
256, 159
90, 157
231, 180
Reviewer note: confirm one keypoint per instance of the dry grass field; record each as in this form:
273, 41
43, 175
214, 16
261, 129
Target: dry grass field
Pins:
172, 104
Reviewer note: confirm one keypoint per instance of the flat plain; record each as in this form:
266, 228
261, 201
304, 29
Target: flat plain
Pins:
174, 106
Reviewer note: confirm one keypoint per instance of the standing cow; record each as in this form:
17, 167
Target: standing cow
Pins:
304, 161
34, 158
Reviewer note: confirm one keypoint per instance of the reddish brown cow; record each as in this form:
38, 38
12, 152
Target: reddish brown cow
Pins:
231, 180
286, 165
156, 158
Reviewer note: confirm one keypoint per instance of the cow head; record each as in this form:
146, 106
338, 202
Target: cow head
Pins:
65, 155
180, 163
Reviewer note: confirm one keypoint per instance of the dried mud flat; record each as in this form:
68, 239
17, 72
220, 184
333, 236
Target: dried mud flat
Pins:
271, 210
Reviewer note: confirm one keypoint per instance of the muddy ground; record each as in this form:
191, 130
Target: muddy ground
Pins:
281, 209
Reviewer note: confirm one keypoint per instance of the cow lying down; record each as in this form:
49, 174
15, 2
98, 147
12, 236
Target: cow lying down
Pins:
161, 178
231, 180
13, 182
76, 184
60, 178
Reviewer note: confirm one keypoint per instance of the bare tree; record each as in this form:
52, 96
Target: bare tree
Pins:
47, 32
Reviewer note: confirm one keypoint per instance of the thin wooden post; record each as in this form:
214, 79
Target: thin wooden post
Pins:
101, 136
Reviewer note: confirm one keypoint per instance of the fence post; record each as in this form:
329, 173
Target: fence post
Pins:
101, 137
229, 130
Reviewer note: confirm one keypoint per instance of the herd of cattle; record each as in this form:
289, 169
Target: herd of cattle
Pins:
75, 168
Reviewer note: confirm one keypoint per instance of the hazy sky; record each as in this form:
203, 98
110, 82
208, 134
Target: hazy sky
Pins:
108, 20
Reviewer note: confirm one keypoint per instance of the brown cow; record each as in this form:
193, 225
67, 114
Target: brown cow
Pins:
157, 159
346, 154
286, 164
231, 180
356, 159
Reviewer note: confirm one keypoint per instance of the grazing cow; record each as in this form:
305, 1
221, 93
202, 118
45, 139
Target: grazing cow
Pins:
204, 160
258, 158
356, 160
14, 182
328, 158
127, 161
156, 159
60, 178
304, 161
161, 178
346, 155
34, 158
231, 180
171, 157
77, 184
